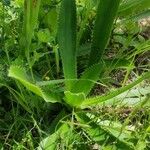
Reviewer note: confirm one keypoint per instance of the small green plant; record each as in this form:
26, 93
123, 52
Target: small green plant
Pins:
73, 90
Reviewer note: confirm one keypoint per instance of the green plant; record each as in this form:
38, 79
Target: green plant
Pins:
73, 90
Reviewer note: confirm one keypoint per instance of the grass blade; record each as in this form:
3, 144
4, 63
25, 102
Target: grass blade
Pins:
133, 7
101, 99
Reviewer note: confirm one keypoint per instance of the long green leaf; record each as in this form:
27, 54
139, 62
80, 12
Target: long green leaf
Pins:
101, 99
31, 11
88, 79
67, 39
51, 142
92, 74
133, 7
98, 130
106, 14
142, 15
19, 74
35, 5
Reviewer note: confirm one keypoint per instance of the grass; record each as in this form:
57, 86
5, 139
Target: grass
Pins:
23, 130
66, 82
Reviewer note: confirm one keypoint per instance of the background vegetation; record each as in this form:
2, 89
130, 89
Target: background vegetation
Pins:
74, 74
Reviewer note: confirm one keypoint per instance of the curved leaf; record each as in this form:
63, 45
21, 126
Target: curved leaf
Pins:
88, 79
133, 7
74, 99
100, 99
20, 74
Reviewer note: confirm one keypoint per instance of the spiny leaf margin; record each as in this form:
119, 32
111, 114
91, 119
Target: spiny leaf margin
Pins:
19, 74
